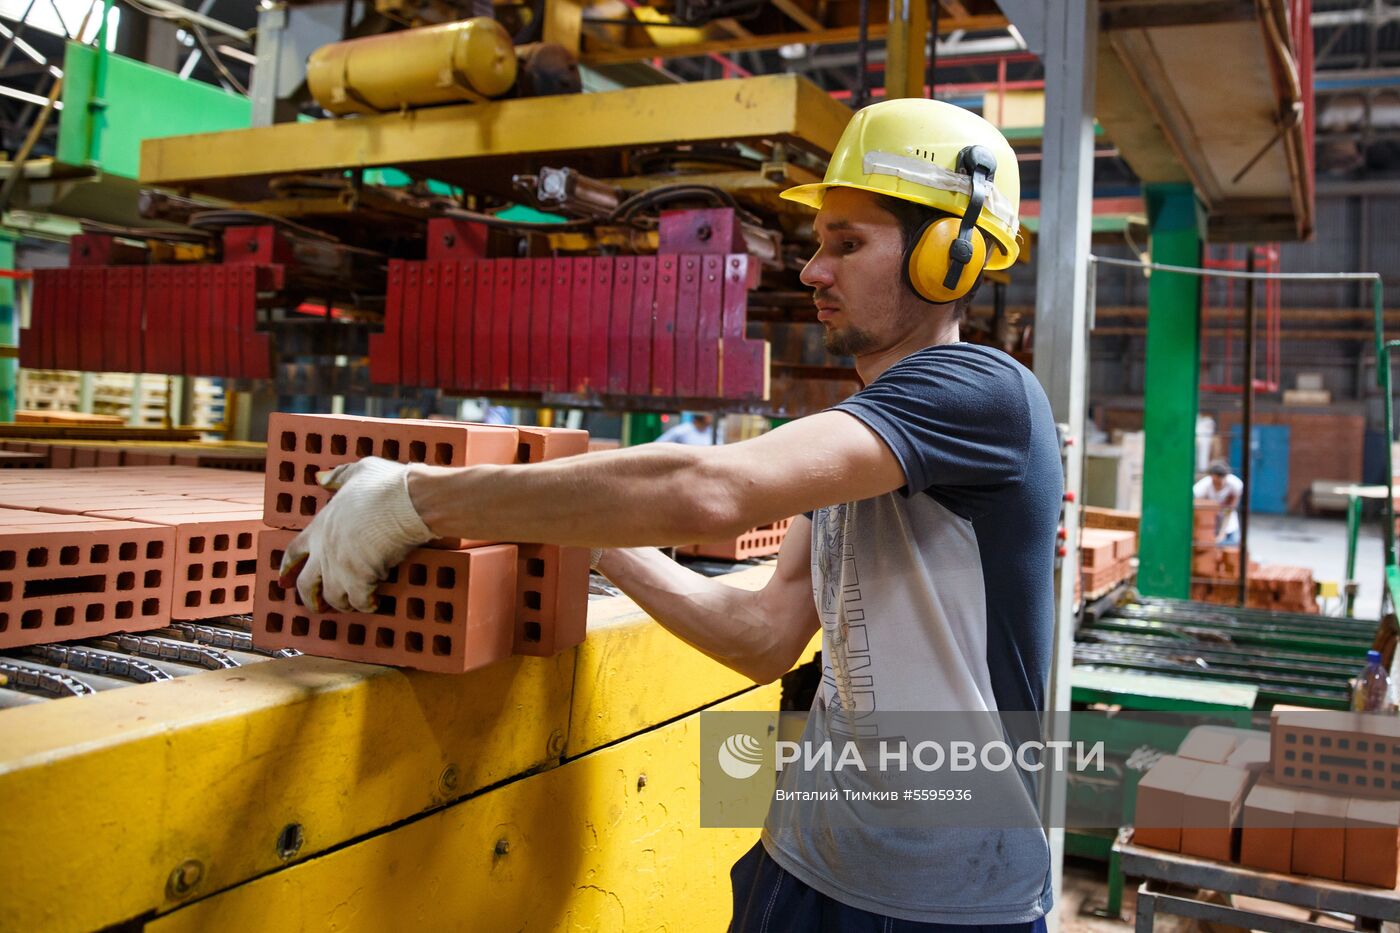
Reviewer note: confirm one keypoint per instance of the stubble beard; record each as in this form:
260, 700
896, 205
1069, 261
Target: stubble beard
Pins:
850, 341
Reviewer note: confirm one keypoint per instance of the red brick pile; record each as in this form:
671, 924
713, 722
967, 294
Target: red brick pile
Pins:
92, 551
1334, 814
1105, 560
451, 607
1215, 573
763, 541
65, 455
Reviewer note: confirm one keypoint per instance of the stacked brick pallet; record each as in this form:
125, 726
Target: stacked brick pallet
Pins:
1215, 573
1317, 797
94, 551
763, 541
60, 455
451, 607
1106, 559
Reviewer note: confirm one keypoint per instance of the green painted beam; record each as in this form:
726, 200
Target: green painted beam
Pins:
111, 104
1173, 373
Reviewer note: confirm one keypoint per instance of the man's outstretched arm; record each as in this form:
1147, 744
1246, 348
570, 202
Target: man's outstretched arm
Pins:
657, 494
759, 633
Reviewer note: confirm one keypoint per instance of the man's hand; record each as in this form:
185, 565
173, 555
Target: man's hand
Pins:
367, 528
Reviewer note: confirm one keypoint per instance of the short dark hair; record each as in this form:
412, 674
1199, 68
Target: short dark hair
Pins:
1219, 468
911, 218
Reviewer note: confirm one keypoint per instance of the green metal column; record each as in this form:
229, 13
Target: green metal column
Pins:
9, 328
1169, 404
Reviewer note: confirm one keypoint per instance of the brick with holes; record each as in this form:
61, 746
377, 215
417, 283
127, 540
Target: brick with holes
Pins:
64, 577
301, 445
551, 612
215, 559
763, 541
440, 610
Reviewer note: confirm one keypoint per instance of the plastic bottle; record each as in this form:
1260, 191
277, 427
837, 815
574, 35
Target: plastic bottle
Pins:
1372, 691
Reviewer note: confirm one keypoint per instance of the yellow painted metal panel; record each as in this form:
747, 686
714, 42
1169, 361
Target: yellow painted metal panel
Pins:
784, 107
104, 797
587, 846
632, 674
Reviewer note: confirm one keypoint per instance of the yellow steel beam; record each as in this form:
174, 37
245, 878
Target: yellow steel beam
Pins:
798, 15
610, 841
563, 23
904, 49
775, 40
774, 107
196, 779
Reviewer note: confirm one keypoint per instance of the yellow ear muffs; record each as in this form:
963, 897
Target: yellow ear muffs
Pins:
928, 262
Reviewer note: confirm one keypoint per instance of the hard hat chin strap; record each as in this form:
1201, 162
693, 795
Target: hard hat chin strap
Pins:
980, 165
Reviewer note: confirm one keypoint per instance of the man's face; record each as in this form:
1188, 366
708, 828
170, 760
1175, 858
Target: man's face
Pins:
1217, 481
856, 275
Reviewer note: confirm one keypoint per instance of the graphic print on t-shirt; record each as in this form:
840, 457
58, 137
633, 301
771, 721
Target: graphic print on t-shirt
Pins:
849, 685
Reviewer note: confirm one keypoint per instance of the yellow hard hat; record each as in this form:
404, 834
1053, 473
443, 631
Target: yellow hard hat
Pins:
910, 148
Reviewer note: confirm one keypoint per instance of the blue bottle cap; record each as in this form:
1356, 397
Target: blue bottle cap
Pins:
1373, 656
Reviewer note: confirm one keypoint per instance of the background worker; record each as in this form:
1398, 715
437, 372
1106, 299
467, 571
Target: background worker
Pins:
695, 428
923, 549
1223, 488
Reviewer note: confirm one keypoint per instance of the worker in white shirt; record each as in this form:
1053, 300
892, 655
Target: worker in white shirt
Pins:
1223, 488
696, 429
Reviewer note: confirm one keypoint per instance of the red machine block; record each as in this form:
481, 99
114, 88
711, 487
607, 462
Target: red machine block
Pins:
520, 325
708, 326
639, 329
428, 302
614, 374
687, 324
560, 317
445, 611
463, 325
483, 327
595, 377
65, 577
446, 319
501, 324
539, 342
384, 347
551, 612
299, 446
412, 330
580, 324
663, 340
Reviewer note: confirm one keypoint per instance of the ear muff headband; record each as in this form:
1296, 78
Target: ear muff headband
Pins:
928, 269
949, 253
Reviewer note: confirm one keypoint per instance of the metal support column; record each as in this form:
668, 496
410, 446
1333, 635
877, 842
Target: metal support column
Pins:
904, 49
1170, 394
9, 329
1247, 428
1070, 40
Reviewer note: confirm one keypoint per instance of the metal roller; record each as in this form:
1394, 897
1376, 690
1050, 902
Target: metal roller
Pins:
472, 60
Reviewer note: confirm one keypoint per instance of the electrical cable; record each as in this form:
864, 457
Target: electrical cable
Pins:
215, 60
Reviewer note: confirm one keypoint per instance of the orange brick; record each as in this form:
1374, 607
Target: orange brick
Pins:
300, 446
1373, 842
1319, 835
1266, 841
1210, 808
552, 599
445, 611
1161, 795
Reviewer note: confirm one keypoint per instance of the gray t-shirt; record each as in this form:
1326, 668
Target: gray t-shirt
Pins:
937, 597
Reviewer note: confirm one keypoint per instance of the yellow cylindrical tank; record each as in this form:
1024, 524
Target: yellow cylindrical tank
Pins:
448, 63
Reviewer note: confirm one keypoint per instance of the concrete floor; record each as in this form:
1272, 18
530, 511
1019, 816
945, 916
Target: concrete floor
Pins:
1320, 544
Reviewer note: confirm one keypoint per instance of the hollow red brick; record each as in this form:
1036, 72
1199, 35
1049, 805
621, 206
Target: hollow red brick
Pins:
540, 444
551, 612
444, 611
764, 541
70, 577
299, 446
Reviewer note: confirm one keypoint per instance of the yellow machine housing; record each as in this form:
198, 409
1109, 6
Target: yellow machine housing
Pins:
449, 63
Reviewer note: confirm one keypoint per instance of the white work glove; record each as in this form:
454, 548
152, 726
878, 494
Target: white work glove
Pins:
367, 528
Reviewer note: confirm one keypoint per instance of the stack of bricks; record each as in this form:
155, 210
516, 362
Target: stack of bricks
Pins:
1215, 573
1323, 801
1112, 520
1105, 560
763, 541
91, 552
451, 607
66, 455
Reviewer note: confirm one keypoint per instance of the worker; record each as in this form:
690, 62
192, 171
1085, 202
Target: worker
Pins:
923, 545
696, 428
1224, 488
